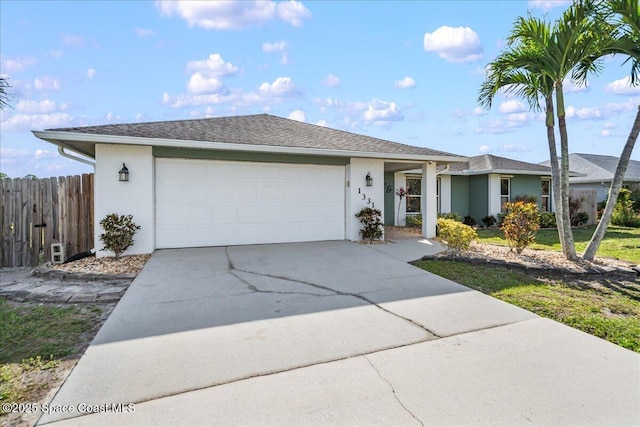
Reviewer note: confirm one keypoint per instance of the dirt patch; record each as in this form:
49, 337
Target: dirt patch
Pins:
393, 232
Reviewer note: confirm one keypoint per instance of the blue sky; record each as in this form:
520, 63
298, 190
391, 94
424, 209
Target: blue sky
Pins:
404, 71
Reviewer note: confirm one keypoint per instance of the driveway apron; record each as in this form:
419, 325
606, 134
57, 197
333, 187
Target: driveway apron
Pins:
329, 333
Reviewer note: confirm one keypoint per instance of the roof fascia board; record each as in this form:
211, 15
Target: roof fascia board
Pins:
59, 138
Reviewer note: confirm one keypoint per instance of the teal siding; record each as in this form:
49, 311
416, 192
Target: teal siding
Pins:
478, 196
389, 198
460, 195
244, 156
526, 185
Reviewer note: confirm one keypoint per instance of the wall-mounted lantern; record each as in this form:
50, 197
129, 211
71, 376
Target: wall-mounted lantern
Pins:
369, 179
124, 173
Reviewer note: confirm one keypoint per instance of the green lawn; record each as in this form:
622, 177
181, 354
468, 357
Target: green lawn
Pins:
619, 242
34, 338
605, 313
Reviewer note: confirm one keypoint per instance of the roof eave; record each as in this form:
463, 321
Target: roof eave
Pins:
497, 171
63, 138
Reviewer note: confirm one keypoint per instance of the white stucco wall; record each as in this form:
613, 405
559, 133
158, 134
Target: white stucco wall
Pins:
428, 206
400, 215
494, 194
445, 193
373, 196
135, 197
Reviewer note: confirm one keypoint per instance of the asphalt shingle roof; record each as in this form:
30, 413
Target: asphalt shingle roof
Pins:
599, 168
488, 162
261, 129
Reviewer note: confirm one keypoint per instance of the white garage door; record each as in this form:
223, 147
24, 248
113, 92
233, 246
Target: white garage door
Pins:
215, 203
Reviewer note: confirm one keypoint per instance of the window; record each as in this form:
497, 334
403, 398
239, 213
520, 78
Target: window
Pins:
438, 195
505, 188
414, 194
546, 191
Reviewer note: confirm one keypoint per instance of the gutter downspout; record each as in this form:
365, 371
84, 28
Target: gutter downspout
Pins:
72, 157
446, 169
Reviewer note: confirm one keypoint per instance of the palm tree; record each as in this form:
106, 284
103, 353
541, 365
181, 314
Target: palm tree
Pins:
625, 18
572, 47
4, 94
505, 73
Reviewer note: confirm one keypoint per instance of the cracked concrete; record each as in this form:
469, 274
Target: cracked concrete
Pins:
332, 333
393, 390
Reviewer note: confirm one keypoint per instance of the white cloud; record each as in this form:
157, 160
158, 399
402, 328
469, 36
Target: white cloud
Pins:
298, 115
144, 32
213, 66
405, 83
233, 15
46, 83
460, 44
280, 46
322, 123
53, 167
623, 87
26, 122
56, 53
200, 84
91, 73
293, 12
584, 113
282, 86
331, 80
12, 65
267, 94
569, 87
484, 149
479, 111
45, 154
548, 4
512, 106
381, 113
35, 107
510, 148
72, 40
13, 153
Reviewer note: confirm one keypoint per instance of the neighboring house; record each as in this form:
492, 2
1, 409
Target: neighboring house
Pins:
478, 188
598, 172
243, 179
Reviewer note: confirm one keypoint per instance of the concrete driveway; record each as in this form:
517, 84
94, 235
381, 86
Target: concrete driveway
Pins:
335, 333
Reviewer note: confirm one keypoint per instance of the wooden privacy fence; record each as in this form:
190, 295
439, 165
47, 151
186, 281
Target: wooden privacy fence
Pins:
588, 204
38, 212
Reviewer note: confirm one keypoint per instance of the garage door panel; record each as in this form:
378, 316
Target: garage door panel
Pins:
212, 203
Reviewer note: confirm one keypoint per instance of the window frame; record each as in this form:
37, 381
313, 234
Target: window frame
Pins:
545, 199
506, 196
417, 197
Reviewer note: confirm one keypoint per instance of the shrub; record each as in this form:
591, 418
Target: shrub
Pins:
579, 219
451, 215
414, 221
548, 220
469, 220
457, 235
489, 221
520, 224
623, 212
527, 198
371, 219
500, 218
118, 233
